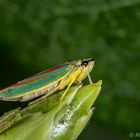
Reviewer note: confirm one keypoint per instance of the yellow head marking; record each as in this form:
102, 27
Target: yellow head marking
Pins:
84, 67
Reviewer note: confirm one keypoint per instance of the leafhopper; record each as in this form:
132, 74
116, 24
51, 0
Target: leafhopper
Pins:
49, 81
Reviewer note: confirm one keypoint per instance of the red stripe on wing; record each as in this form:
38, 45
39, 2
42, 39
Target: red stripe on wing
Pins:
43, 72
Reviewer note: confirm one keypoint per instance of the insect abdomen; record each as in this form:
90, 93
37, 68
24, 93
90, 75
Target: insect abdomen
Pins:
48, 90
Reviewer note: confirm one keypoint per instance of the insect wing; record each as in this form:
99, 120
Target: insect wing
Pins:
37, 81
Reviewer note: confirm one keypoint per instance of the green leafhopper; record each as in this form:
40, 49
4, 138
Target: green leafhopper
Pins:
49, 81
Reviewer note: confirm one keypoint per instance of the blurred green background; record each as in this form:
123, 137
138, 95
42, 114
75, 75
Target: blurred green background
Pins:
38, 34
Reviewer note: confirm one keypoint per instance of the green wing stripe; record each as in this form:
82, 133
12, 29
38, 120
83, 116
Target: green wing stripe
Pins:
20, 90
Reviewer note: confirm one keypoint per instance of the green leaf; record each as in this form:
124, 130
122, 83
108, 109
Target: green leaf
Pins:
52, 119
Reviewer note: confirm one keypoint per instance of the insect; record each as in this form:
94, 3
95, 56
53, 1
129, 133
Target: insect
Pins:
49, 81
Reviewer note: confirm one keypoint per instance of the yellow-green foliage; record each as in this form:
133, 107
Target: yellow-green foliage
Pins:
52, 119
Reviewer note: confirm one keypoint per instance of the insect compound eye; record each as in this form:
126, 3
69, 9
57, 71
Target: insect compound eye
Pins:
85, 63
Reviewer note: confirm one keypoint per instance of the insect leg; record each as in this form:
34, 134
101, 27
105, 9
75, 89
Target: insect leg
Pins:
67, 89
89, 78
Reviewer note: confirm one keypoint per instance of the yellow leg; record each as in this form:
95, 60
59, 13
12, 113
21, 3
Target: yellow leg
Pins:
67, 89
